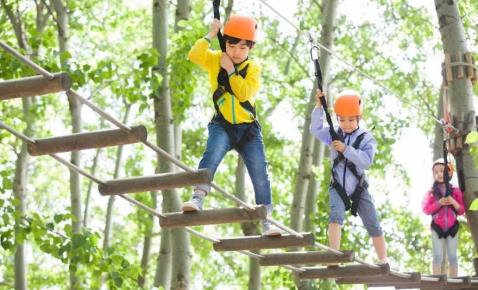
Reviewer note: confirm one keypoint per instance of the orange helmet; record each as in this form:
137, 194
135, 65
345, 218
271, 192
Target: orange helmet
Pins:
348, 104
242, 27
442, 162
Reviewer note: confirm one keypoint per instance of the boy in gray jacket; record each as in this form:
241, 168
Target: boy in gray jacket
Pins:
351, 156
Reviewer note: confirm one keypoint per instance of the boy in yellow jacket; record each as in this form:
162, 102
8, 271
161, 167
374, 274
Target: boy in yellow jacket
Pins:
235, 80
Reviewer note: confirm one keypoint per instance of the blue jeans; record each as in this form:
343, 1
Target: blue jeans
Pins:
366, 211
451, 245
253, 154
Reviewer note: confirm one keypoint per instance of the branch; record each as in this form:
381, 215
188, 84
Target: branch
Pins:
16, 24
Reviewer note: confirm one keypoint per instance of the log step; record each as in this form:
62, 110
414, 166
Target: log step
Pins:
34, 86
343, 272
424, 283
263, 242
88, 140
463, 283
212, 217
380, 279
155, 182
300, 258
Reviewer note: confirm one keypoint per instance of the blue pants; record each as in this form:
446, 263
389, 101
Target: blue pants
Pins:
366, 211
451, 245
253, 154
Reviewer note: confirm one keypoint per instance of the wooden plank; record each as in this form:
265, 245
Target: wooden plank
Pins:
470, 71
212, 217
380, 279
303, 258
475, 263
465, 283
425, 284
460, 72
448, 69
344, 272
263, 242
88, 140
34, 86
155, 182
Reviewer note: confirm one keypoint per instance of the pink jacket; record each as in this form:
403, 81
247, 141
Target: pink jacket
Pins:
444, 217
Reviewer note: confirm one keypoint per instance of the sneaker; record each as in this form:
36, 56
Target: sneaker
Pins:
270, 230
195, 204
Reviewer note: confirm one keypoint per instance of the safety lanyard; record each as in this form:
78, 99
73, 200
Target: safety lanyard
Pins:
314, 55
215, 6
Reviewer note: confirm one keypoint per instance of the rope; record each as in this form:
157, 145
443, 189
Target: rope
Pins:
353, 67
58, 158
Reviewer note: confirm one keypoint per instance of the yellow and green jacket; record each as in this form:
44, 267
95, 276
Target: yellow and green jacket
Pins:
244, 88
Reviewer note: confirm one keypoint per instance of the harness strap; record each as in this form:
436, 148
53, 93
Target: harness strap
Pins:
224, 86
247, 136
444, 234
353, 202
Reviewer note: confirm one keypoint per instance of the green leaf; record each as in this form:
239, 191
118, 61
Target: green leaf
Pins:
474, 205
58, 218
471, 138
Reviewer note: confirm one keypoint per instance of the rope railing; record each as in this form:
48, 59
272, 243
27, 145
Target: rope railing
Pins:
157, 149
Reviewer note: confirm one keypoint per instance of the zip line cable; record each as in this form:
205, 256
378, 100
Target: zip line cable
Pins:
353, 67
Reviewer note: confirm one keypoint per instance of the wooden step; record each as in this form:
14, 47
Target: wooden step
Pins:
34, 86
88, 140
263, 242
424, 283
303, 258
155, 182
212, 217
380, 279
462, 283
343, 272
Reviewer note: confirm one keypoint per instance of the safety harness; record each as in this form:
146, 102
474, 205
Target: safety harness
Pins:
225, 87
362, 184
351, 202
437, 193
453, 230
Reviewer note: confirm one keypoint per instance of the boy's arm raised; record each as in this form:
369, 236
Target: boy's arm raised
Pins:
317, 126
201, 54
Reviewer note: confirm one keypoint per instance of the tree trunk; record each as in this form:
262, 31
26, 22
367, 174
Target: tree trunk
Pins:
438, 131
23, 159
183, 10
19, 191
181, 255
163, 270
327, 39
314, 186
249, 229
111, 199
461, 103
90, 183
228, 9
75, 111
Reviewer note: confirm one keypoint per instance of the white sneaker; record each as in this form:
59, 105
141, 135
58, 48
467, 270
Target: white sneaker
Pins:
195, 204
270, 230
